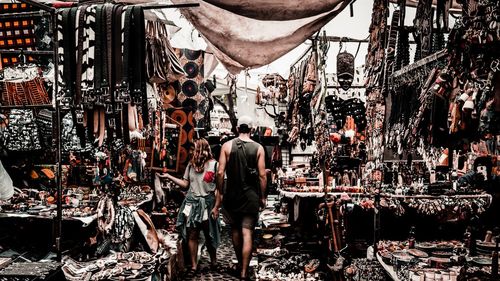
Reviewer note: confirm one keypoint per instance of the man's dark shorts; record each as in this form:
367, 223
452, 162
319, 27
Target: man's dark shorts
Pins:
240, 220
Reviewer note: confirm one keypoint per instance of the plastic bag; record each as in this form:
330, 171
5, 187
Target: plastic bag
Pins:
6, 185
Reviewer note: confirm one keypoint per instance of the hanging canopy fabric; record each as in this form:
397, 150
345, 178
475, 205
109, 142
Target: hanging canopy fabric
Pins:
277, 9
249, 34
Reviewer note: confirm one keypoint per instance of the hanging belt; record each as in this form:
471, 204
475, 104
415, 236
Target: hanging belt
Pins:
108, 73
88, 58
69, 21
98, 54
79, 65
66, 34
117, 69
72, 52
99, 74
126, 72
60, 56
139, 94
78, 115
88, 95
125, 93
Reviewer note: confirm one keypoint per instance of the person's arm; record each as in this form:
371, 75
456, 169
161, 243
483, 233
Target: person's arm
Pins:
219, 179
183, 183
261, 167
221, 170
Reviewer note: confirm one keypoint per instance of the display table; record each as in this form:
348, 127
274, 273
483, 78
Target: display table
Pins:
165, 264
434, 260
31, 271
292, 194
85, 220
388, 268
424, 204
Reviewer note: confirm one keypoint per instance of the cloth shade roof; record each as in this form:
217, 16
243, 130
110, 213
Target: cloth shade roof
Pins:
249, 34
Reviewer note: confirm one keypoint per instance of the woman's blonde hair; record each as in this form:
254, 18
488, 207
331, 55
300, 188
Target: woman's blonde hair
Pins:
201, 154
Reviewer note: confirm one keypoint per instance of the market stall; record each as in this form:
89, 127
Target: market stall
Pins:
83, 136
424, 151
385, 170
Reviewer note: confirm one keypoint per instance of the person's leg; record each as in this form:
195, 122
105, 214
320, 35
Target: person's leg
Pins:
194, 235
246, 251
208, 242
248, 225
237, 238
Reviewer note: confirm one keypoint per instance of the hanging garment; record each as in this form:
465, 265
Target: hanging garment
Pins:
276, 158
311, 74
123, 227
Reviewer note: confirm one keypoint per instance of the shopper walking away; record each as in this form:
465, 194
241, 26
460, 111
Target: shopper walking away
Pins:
194, 213
242, 161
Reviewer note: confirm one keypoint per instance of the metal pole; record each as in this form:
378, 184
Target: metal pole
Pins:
376, 224
28, 106
39, 5
58, 140
26, 52
171, 6
301, 57
24, 15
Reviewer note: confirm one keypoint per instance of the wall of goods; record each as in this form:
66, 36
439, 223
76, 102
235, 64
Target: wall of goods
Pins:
421, 153
120, 121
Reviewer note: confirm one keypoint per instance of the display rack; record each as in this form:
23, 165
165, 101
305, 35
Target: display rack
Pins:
47, 11
429, 59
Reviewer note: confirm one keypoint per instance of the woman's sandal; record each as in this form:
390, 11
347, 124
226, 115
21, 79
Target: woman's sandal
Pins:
190, 273
215, 267
250, 273
234, 270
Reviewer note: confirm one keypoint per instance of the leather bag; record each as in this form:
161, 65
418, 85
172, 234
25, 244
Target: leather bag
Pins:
148, 230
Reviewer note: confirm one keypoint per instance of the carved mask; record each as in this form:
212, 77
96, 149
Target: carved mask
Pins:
345, 70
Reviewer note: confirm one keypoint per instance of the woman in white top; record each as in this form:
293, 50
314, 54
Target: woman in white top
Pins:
195, 213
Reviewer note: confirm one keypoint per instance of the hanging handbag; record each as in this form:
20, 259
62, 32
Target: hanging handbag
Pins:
157, 63
162, 64
147, 229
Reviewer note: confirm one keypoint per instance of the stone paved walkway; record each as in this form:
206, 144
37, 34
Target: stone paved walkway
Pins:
225, 254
